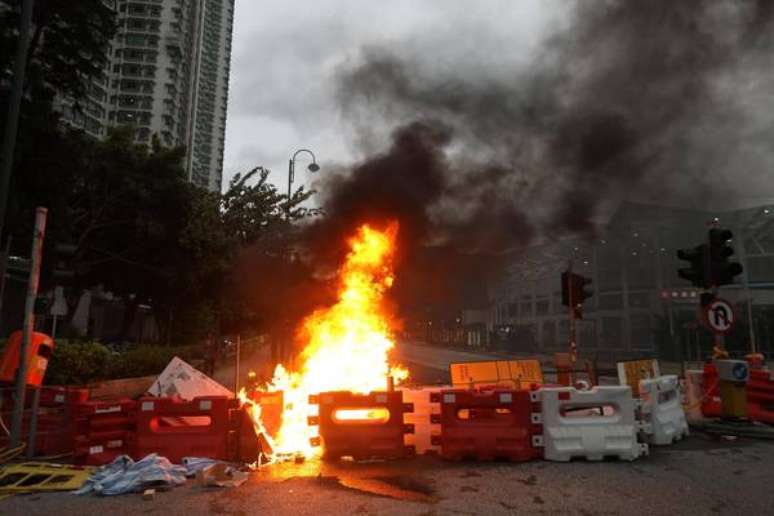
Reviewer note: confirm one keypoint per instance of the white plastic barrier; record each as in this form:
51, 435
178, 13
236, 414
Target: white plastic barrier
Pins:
662, 410
572, 428
420, 418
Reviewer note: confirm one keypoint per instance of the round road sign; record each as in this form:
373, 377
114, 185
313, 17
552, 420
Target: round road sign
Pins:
719, 316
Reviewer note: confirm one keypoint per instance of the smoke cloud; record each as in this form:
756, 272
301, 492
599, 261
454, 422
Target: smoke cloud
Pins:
658, 101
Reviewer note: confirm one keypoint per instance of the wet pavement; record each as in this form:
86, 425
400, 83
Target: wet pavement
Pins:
700, 475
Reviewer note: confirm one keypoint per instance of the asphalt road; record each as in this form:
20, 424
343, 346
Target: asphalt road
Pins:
699, 475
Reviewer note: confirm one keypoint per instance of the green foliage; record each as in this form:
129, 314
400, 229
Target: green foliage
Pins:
77, 363
82, 362
68, 46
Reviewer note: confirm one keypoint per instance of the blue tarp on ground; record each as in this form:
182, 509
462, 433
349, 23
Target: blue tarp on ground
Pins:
124, 475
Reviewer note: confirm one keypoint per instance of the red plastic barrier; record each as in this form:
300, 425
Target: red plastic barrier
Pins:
55, 431
362, 426
272, 407
760, 394
56, 396
103, 430
710, 404
204, 429
488, 425
102, 447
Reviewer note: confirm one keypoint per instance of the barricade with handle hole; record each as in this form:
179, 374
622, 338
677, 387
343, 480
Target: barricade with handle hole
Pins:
760, 394
594, 425
104, 430
362, 426
662, 409
176, 428
489, 424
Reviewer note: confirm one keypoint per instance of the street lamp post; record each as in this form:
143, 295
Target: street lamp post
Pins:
313, 167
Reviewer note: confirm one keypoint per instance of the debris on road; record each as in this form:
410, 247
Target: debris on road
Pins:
181, 379
148, 494
220, 475
124, 475
29, 477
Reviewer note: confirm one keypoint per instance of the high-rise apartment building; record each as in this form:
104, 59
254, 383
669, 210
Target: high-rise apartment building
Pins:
168, 76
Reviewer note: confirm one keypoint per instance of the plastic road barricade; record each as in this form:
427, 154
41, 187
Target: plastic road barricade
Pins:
103, 430
710, 404
175, 428
424, 428
362, 426
662, 409
760, 396
488, 425
595, 424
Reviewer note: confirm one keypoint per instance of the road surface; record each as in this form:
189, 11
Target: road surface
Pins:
699, 475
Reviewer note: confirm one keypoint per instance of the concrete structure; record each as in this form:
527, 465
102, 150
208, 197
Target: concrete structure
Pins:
639, 307
168, 76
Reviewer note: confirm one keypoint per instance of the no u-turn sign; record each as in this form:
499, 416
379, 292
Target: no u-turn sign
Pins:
719, 316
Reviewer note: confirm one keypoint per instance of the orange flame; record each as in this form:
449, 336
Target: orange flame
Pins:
347, 344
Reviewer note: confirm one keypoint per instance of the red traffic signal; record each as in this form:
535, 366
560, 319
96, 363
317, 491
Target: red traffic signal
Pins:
575, 290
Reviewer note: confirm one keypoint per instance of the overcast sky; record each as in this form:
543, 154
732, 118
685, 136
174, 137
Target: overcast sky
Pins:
286, 56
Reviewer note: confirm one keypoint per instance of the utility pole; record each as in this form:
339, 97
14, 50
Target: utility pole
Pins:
29, 324
573, 303
14, 106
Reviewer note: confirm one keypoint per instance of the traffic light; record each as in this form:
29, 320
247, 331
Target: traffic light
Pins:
64, 269
574, 286
698, 273
722, 271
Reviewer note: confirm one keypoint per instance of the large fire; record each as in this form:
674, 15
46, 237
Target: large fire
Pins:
346, 345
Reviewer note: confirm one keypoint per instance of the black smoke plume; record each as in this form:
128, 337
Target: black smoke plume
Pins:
653, 101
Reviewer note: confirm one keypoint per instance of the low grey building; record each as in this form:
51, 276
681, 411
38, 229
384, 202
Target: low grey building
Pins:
639, 307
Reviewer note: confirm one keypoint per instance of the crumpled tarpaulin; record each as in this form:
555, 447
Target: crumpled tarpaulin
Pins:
195, 464
124, 475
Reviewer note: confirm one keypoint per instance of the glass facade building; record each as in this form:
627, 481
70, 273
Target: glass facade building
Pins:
640, 307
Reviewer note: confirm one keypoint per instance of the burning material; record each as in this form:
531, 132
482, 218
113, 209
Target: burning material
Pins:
346, 345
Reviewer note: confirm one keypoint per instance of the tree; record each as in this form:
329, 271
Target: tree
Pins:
69, 44
67, 56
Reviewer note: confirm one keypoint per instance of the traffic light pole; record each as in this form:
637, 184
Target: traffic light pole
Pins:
572, 303
29, 324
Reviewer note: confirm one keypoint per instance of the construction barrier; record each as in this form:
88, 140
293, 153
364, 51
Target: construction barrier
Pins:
54, 433
488, 425
103, 430
710, 404
661, 408
694, 394
176, 428
424, 427
595, 424
760, 394
272, 407
362, 426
